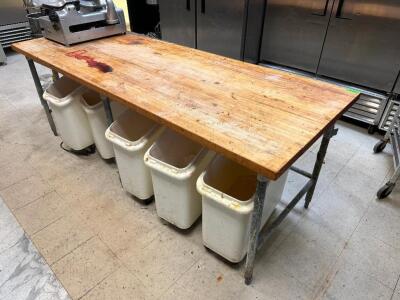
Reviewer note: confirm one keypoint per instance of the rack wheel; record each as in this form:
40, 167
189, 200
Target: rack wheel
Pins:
379, 146
386, 190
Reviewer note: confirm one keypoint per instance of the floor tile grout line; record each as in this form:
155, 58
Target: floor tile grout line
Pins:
395, 287
30, 202
97, 284
14, 183
78, 246
179, 277
26, 235
347, 241
19, 227
51, 223
121, 261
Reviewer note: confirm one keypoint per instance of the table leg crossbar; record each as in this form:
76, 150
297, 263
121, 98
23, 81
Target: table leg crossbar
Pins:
257, 236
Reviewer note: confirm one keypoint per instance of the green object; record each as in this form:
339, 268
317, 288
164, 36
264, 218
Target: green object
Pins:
352, 90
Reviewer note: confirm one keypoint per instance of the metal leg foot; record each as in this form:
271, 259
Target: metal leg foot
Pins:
39, 90
319, 162
107, 108
256, 217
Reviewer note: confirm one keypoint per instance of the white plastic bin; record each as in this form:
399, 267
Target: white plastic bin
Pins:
72, 124
227, 191
132, 135
96, 115
175, 163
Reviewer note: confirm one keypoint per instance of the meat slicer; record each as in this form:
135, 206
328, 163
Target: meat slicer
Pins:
73, 21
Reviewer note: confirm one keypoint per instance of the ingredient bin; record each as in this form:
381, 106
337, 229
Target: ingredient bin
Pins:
132, 135
175, 163
227, 190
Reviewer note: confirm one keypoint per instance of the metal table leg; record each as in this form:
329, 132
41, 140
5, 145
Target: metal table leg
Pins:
55, 75
257, 237
39, 90
319, 162
256, 217
107, 108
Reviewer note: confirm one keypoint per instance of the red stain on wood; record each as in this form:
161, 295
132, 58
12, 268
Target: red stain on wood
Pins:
93, 63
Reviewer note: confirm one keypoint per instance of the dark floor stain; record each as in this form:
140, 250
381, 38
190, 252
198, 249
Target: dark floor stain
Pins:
93, 63
220, 278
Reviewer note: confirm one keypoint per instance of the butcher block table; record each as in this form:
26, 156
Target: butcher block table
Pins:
259, 117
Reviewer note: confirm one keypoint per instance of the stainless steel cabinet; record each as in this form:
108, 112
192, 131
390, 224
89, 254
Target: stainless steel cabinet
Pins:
356, 41
294, 32
362, 44
11, 12
178, 21
220, 26
214, 26
254, 28
397, 87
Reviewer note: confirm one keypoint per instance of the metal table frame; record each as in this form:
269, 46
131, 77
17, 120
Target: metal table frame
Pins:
39, 89
392, 136
257, 237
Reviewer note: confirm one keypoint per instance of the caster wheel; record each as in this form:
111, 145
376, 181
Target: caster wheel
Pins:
84, 152
385, 191
371, 129
91, 150
378, 148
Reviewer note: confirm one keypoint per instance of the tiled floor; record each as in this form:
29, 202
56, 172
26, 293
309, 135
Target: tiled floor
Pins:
101, 244
24, 274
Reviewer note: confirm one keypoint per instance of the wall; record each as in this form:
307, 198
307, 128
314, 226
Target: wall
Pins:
122, 4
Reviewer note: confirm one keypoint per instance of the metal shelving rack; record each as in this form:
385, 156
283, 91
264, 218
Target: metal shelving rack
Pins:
391, 120
389, 114
14, 33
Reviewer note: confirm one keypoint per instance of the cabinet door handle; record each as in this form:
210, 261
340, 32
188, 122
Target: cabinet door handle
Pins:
188, 5
323, 11
203, 6
339, 11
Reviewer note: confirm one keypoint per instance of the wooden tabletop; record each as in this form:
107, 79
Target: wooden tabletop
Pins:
260, 117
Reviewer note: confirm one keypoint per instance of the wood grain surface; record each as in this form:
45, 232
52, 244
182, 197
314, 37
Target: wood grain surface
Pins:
260, 117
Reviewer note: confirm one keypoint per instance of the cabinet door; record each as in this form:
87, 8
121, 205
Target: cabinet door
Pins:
220, 26
362, 44
12, 11
397, 87
294, 32
178, 21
